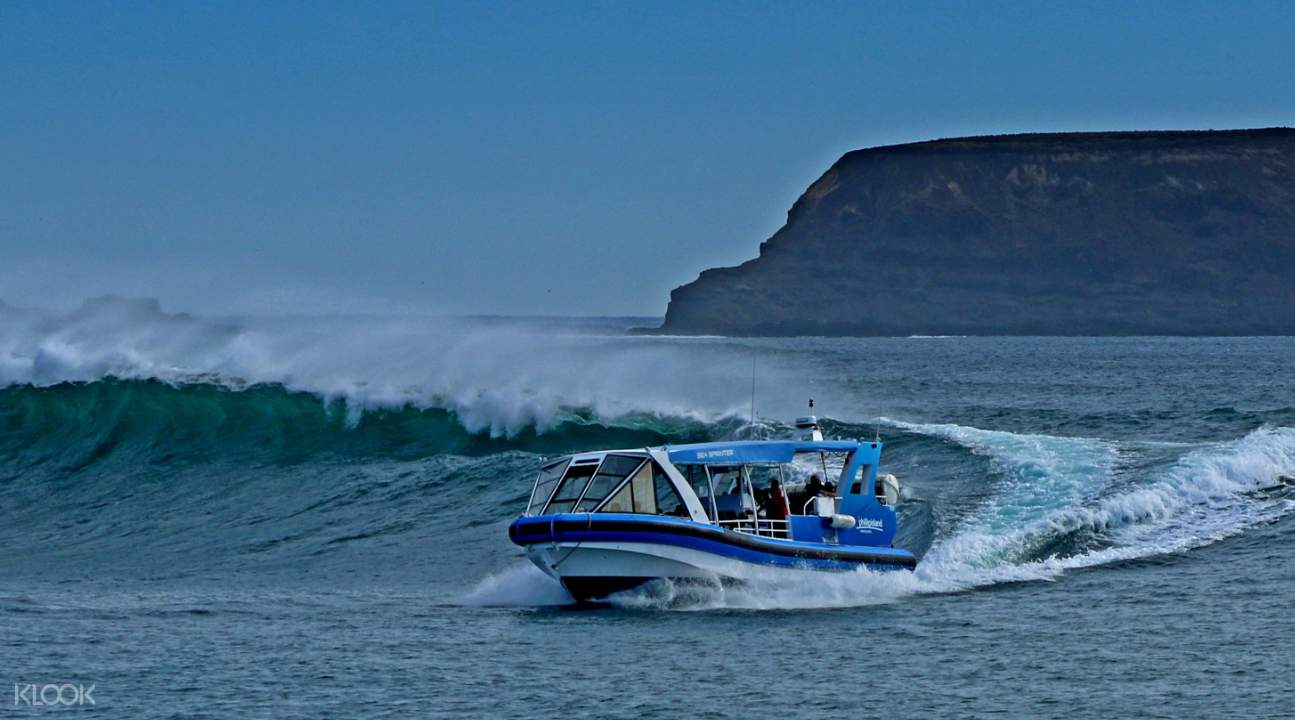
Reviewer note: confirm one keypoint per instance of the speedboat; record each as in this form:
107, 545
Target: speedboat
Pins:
608, 521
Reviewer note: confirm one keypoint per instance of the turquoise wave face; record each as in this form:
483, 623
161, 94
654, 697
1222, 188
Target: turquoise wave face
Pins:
76, 425
200, 475
146, 476
149, 478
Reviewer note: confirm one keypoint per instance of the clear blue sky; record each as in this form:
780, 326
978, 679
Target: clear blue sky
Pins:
569, 158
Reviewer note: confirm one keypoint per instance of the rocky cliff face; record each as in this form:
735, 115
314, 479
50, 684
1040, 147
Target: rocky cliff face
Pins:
1183, 233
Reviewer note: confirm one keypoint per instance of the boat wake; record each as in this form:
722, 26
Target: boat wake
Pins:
1057, 504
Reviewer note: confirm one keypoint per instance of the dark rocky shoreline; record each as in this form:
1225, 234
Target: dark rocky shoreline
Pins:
1128, 233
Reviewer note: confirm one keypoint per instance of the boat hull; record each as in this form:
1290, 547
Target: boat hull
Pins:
595, 570
596, 555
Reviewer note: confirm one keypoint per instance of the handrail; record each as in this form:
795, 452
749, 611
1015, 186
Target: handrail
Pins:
805, 510
762, 528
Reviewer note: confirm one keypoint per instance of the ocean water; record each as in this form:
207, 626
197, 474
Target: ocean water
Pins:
304, 517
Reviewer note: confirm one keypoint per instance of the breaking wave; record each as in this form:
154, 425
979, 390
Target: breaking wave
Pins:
497, 377
149, 421
248, 440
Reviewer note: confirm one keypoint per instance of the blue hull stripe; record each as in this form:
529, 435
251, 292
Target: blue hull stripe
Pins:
720, 549
687, 534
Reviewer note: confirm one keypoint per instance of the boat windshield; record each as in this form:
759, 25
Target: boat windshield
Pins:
699, 481
549, 475
758, 497
615, 483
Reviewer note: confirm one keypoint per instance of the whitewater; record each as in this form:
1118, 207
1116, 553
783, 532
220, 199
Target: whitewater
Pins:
258, 501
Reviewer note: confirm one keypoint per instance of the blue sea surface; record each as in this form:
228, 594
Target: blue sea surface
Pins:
288, 518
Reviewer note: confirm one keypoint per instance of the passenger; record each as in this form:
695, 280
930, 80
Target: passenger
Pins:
777, 508
814, 487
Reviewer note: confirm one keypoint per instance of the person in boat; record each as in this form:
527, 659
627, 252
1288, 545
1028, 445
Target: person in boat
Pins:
812, 489
776, 506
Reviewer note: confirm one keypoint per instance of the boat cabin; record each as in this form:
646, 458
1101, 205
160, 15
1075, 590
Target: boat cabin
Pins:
807, 490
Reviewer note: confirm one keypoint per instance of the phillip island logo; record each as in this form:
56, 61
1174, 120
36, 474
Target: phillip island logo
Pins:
869, 525
51, 694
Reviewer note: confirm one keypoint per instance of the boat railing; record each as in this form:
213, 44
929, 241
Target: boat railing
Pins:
759, 526
810, 503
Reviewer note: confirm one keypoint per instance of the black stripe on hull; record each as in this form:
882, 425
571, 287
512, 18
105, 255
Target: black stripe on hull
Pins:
591, 590
585, 589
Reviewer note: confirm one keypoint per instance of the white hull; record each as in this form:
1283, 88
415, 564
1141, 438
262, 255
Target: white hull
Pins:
588, 568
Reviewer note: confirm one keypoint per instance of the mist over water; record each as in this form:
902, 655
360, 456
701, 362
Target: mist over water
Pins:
499, 376
271, 483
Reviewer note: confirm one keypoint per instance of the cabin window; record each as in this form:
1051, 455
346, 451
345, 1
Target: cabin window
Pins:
828, 466
549, 476
668, 501
700, 483
643, 494
570, 488
648, 491
880, 489
768, 490
725, 479
731, 499
621, 502
614, 470
762, 476
860, 477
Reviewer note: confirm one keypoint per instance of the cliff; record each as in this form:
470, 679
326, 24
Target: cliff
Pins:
1176, 233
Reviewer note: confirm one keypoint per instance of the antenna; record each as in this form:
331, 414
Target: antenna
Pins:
753, 395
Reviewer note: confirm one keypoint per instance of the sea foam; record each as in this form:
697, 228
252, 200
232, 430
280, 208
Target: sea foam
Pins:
1049, 487
499, 377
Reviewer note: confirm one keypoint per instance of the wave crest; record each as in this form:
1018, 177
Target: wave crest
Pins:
499, 377
75, 424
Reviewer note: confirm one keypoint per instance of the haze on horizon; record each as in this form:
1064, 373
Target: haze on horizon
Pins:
573, 159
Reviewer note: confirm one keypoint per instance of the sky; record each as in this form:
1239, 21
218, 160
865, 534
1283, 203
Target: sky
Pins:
531, 158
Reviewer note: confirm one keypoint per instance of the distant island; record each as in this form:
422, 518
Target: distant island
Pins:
1120, 233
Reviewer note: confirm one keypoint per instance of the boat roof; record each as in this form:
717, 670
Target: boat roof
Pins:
745, 452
